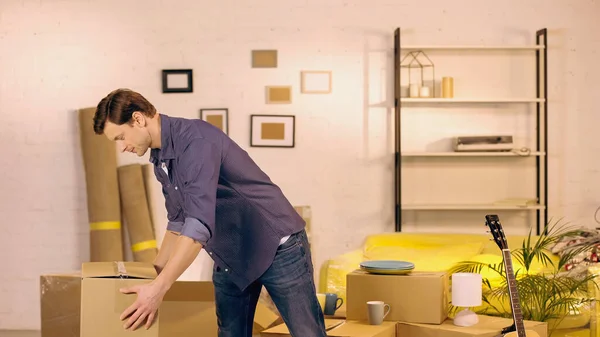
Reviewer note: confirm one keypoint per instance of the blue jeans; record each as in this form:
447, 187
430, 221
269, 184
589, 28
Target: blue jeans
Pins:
290, 284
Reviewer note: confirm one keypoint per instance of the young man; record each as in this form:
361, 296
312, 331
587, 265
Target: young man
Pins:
218, 199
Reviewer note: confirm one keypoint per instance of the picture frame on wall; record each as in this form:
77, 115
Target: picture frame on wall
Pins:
264, 58
218, 117
315, 82
272, 130
278, 94
177, 81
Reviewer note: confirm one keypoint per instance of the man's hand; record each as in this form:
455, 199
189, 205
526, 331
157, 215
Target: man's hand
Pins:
144, 309
150, 295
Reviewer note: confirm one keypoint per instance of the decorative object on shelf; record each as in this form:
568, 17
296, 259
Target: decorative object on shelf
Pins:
418, 59
424, 92
264, 59
447, 87
485, 143
218, 117
177, 80
279, 94
272, 130
414, 90
315, 82
466, 293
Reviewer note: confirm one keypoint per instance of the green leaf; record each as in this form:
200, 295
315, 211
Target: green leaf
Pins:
543, 297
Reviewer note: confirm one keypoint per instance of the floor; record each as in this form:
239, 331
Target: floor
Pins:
19, 333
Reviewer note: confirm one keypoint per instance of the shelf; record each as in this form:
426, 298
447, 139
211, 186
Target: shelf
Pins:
467, 207
470, 100
472, 47
535, 100
472, 154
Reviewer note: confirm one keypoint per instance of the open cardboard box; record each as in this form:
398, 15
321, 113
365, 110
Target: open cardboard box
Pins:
88, 303
341, 328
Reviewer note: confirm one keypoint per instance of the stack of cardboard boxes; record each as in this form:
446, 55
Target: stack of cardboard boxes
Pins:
419, 304
88, 303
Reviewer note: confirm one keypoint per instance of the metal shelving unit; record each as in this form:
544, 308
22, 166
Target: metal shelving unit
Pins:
540, 152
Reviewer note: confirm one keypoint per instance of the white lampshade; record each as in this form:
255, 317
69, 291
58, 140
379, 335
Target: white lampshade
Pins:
466, 289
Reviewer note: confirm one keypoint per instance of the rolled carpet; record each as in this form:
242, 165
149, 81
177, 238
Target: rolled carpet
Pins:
104, 209
137, 213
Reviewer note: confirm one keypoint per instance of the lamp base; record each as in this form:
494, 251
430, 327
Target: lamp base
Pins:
466, 317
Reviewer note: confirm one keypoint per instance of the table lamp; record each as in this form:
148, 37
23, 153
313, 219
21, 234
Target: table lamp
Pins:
466, 293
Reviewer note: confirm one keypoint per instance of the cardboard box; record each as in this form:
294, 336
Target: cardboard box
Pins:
418, 297
188, 308
346, 329
488, 326
59, 304
306, 214
102, 303
264, 318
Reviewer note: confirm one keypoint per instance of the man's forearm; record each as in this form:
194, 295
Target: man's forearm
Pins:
165, 251
184, 252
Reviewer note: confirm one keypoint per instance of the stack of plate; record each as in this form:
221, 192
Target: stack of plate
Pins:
391, 267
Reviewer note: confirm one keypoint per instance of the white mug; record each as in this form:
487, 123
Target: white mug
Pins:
376, 312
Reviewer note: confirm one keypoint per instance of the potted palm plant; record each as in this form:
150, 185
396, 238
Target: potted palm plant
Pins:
549, 294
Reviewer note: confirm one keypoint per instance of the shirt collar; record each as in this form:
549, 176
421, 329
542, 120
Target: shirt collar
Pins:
166, 150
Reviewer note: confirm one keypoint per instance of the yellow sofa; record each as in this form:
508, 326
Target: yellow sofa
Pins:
439, 252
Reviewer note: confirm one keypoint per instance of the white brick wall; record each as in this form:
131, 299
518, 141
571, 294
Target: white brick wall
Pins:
58, 56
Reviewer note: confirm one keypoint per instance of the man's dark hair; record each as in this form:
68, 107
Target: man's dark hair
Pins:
118, 106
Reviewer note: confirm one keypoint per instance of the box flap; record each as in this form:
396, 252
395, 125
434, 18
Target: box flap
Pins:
118, 269
343, 328
362, 329
282, 328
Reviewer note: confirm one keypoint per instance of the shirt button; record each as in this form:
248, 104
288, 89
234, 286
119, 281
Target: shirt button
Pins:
226, 269
210, 253
175, 187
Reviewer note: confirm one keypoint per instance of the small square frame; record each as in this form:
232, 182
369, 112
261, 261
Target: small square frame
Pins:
256, 130
167, 73
315, 81
269, 90
264, 58
223, 112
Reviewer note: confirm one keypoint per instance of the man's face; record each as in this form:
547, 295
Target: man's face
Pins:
130, 137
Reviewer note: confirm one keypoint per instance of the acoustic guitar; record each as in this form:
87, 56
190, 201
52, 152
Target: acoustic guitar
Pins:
517, 329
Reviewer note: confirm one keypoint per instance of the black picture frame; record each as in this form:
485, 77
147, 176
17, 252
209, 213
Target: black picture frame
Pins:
276, 144
165, 81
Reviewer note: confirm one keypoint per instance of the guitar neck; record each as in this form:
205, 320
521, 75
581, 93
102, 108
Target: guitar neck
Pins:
515, 302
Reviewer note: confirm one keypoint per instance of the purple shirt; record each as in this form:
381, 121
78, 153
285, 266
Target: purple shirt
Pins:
216, 194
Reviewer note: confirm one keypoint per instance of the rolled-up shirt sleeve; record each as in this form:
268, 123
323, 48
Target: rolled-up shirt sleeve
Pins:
200, 164
175, 226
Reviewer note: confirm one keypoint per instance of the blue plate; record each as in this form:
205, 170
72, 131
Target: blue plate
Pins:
390, 265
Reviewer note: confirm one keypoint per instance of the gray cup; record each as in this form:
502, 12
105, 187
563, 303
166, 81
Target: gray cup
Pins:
332, 303
376, 311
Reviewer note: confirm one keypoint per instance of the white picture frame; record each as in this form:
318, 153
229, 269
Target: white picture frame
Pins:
315, 81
